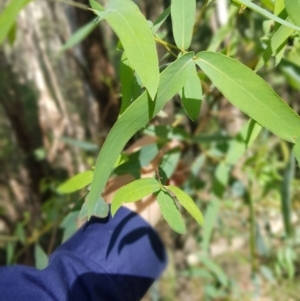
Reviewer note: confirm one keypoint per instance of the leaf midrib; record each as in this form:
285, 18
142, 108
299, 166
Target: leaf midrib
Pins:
257, 99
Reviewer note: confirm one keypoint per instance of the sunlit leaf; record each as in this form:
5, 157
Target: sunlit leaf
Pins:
96, 5
79, 35
9, 15
160, 20
183, 15
275, 44
293, 9
187, 203
40, 256
170, 212
77, 182
133, 192
169, 162
266, 14
125, 18
251, 94
137, 115
191, 96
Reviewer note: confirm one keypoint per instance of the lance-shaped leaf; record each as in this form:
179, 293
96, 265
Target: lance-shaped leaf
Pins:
137, 115
183, 14
96, 5
266, 14
79, 35
125, 18
275, 44
99, 210
187, 203
251, 94
170, 212
130, 88
191, 95
77, 182
9, 15
134, 192
160, 20
293, 9
296, 150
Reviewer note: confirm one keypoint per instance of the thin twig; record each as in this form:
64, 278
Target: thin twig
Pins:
200, 16
167, 45
73, 3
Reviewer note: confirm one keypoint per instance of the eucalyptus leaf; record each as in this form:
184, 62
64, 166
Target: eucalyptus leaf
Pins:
251, 94
275, 44
130, 86
187, 203
96, 5
125, 18
170, 212
40, 256
160, 20
79, 35
137, 115
170, 161
293, 9
296, 150
183, 15
133, 192
9, 15
266, 14
191, 96
77, 182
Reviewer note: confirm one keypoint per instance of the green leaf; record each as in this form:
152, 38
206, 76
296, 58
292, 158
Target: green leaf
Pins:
291, 72
79, 35
187, 203
100, 209
170, 212
87, 146
9, 15
211, 215
77, 182
275, 44
242, 141
251, 94
11, 36
41, 258
183, 15
125, 18
130, 88
137, 115
96, 5
191, 96
170, 162
279, 6
296, 150
160, 20
293, 9
134, 192
221, 177
266, 14
69, 225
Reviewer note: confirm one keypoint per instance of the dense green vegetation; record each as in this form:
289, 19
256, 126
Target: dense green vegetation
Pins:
218, 80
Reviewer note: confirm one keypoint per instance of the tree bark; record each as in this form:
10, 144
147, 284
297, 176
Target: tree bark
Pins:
100, 72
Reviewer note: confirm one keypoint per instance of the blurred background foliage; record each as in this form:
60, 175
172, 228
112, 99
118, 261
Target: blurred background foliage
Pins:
57, 104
